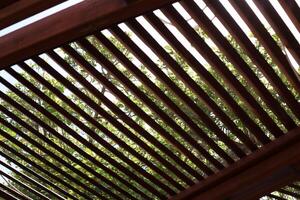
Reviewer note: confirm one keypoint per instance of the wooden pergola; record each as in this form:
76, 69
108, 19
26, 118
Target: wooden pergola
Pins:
266, 159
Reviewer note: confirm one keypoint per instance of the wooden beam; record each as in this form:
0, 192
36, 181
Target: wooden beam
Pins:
273, 166
69, 24
19, 10
5, 3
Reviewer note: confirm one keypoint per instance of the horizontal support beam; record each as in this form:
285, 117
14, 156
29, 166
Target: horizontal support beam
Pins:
22, 9
70, 24
271, 167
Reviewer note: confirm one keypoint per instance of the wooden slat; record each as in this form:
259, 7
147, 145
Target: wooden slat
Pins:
293, 11
5, 3
68, 25
6, 195
273, 166
23, 9
290, 193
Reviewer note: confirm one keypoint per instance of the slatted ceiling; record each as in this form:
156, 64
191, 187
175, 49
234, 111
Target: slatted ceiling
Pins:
137, 109
55, 178
256, 57
128, 120
150, 85
211, 80
192, 62
280, 28
116, 73
94, 150
240, 64
9, 177
170, 62
120, 142
269, 44
41, 179
10, 193
214, 61
177, 141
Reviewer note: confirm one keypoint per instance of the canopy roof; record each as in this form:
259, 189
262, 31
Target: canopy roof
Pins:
150, 99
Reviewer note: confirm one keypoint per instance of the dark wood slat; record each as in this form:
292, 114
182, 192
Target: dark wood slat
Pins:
93, 72
267, 41
228, 50
41, 169
192, 61
31, 180
103, 142
37, 175
230, 79
79, 138
110, 105
113, 70
254, 54
292, 10
271, 167
68, 25
23, 9
57, 158
280, 28
87, 117
169, 61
